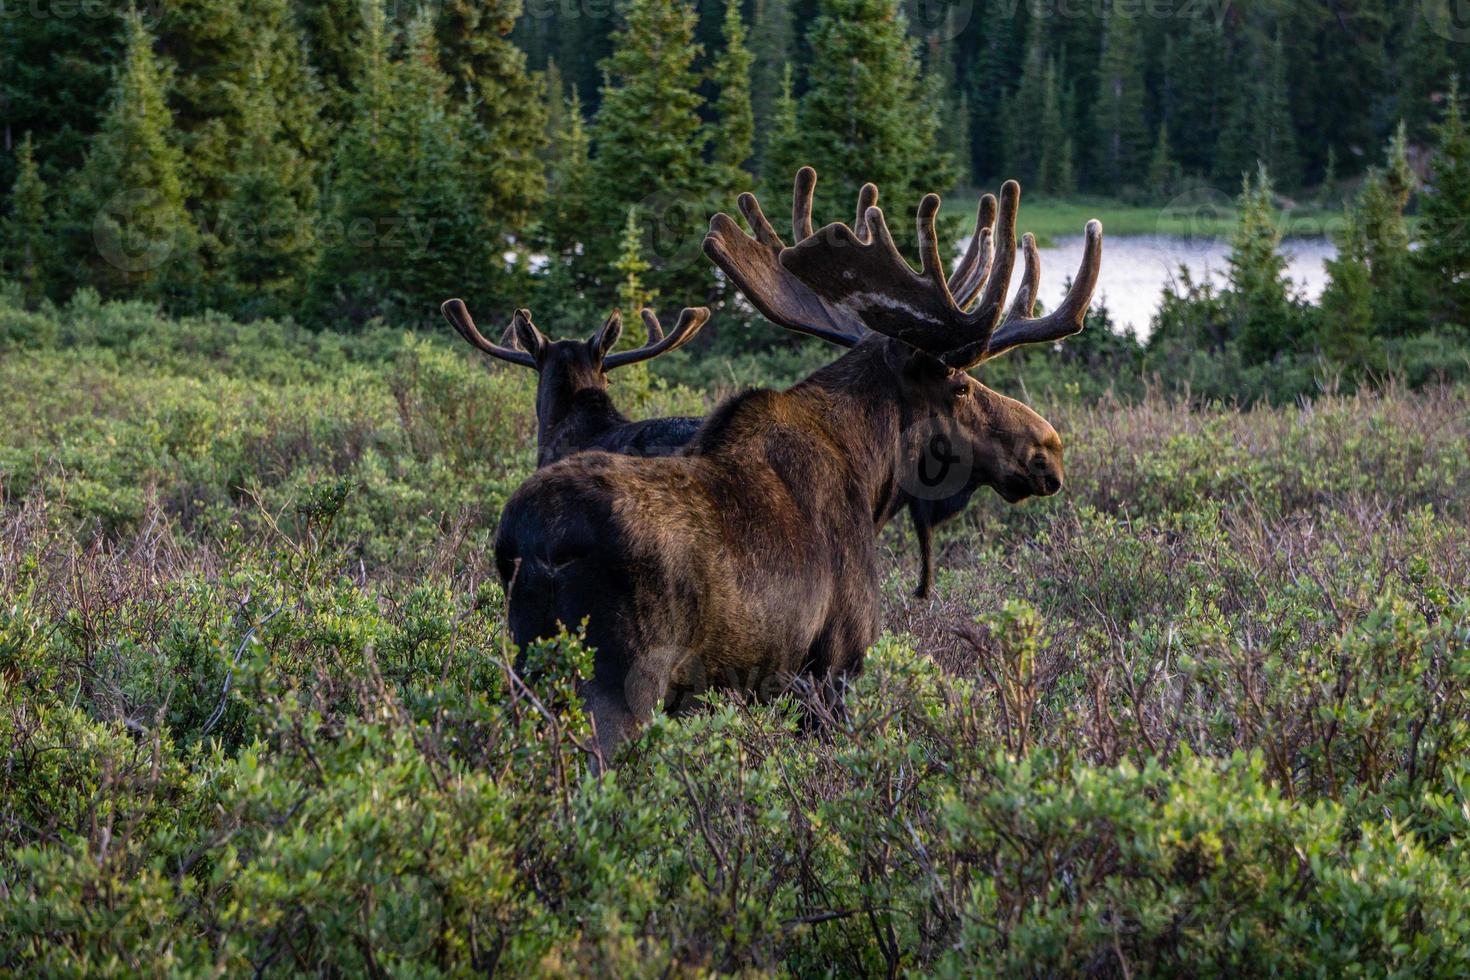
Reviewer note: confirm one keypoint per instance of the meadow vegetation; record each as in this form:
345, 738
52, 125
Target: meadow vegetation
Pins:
1204, 711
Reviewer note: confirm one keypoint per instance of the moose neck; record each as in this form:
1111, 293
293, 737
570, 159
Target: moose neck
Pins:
860, 397
569, 417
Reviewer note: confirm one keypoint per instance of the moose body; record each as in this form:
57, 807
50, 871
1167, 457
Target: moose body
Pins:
750, 559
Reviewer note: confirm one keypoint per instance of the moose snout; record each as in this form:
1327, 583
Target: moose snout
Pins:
1050, 484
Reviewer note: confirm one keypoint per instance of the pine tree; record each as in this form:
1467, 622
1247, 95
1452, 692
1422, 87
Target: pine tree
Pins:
1276, 133
734, 130
1194, 67
488, 74
556, 110
268, 212
772, 41
1024, 148
1265, 320
1345, 317
632, 267
1055, 175
332, 31
1443, 258
25, 239
407, 224
865, 117
1258, 128
1118, 113
568, 221
648, 140
784, 150
1161, 168
227, 53
1379, 240
55, 74
129, 229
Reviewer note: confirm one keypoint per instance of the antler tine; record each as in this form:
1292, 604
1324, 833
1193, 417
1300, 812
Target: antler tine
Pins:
801, 203
691, 319
752, 263
871, 281
1025, 301
459, 318
1068, 318
867, 198
969, 276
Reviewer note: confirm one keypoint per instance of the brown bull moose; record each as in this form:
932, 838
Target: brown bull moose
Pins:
573, 409
752, 556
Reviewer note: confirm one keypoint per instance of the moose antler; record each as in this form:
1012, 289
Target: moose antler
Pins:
691, 319
867, 278
459, 318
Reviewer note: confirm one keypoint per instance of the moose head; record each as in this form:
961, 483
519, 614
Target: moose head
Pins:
847, 284
573, 410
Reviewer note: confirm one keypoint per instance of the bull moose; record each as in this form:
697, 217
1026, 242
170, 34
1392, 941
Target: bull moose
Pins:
753, 554
574, 412
573, 409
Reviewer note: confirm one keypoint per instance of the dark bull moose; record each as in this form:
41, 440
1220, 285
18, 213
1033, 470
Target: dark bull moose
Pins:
753, 553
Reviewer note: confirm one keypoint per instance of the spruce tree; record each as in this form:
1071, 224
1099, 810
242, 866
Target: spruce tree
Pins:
734, 130
631, 266
1194, 74
1265, 320
772, 41
332, 33
1122, 145
1345, 320
1443, 257
1161, 168
1024, 148
268, 216
1378, 238
488, 75
785, 153
865, 116
406, 224
25, 238
649, 144
1055, 170
129, 231
568, 221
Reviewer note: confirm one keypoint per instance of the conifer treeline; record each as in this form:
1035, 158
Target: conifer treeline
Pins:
344, 159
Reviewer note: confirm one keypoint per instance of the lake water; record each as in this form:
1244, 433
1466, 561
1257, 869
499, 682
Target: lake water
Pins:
1136, 268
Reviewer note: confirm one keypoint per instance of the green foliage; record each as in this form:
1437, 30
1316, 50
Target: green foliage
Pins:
127, 214
1266, 320
1443, 257
864, 116
1208, 710
733, 139
1122, 134
25, 241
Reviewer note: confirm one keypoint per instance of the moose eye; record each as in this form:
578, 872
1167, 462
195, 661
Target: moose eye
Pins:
961, 391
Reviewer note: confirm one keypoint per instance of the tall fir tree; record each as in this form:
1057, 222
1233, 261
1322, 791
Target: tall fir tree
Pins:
1345, 318
649, 145
1190, 100
129, 232
568, 222
25, 233
785, 153
1265, 319
489, 76
772, 41
1023, 109
1377, 238
1054, 170
1443, 257
733, 137
267, 222
228, 53
1258, 128
1162, 171
406, 222
1122, 137
865, 116
55, 74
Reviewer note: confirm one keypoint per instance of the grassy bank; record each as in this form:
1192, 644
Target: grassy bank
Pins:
1205, 711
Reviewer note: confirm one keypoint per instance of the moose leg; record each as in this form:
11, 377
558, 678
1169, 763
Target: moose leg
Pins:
924, 534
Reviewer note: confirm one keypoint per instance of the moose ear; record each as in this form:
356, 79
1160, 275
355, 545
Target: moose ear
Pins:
526, 336
606, 338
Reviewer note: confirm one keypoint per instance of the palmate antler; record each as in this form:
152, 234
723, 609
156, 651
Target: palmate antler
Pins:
866, 278
691, 319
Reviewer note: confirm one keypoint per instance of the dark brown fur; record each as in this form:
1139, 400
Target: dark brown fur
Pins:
751, 560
